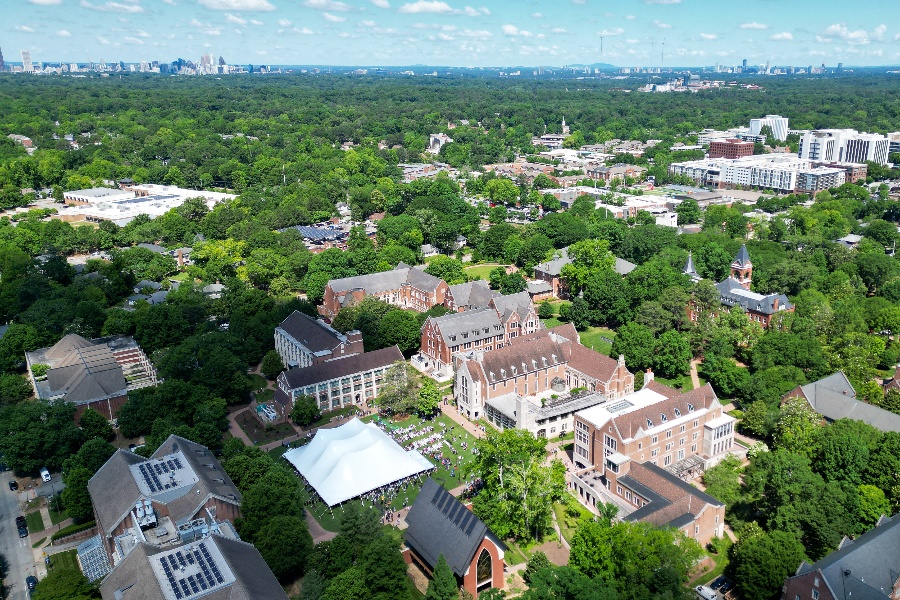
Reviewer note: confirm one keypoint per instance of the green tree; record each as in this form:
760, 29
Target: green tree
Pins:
277, 492
545, 310
566, 583
537, 562
513, 284
285, 545
873, 504
400, 327
443, 583
305, 410
764, 561
688, 212
673, 354
38, 434
637, 344
94, 425
797, 427
271, 364
75, 496
448, 269
429, 399
349, 585
13, 389
65, 584
398, 394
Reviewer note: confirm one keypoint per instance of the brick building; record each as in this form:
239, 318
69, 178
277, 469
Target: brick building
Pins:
95, 374
551, 271
404, 286
867, 568
735, 291
730, 148
162, 499
302, 341
440, 525
502, 320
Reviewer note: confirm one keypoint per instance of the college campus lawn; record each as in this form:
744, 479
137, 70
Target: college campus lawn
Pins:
329, 519
598, 338
482, 271
65, 560
35, 522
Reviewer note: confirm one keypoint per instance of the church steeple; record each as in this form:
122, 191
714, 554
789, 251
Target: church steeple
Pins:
689, 269
742, 268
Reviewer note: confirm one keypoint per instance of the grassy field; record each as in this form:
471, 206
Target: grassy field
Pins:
482, 271
721, 560
592, 337
568, 524
57, 517
65, 560
266, 395
340, 412
258, 382
450, 477
35, 522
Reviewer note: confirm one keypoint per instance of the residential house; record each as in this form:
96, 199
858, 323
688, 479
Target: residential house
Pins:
302, 341
618, 171
95, 374
161, 500
867, 568
337, 383
440, 525
405, 286
834, 398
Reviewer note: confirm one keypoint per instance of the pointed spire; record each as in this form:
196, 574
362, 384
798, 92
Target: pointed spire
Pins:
743, 257
689, 268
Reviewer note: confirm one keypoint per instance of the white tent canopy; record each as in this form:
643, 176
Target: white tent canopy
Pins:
355, 458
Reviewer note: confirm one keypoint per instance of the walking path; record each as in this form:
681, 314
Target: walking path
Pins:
695, 379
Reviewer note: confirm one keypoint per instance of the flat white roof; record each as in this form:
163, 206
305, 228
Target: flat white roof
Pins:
599, 415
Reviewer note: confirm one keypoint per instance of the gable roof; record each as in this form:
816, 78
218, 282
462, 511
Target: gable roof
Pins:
474, 294
872, 561
134, 578
743, 257
834, 398
440, 524
314, 334
519, 303
566, 331
589, 362
672, 501
732, 293
63, 347
377, 283
525, 355
473, 322
356, 363
554, 266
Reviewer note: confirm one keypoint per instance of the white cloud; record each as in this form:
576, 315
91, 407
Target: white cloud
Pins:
662, 1
784, 36
113, 7
513, 31
332, 5
134, 40
662, 25
141, 33
629, 17
632, 41
284, 23
381, 3
333, 18
753, 25
249, 5
445, 38
24, 29
578, 1
63, 33
558, 30
170, 2
426, 6
856, 38
611, 32
478, 34
256, 22
878, 32
709, 36
46, 2
367, 23
235, 19
537, 15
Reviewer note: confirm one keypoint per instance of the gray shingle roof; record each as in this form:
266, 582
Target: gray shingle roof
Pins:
872, 560
669, 497
440, 524
472, 322
375, 283
474, 294
732, 293
554, 267
743, 257
326, 371
834, 398
314, 334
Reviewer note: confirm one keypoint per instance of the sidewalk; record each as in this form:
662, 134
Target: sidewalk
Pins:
695, 379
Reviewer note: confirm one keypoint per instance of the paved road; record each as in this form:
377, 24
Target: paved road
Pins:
16, 551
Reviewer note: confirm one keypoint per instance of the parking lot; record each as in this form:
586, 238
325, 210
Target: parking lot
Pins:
720, 588
16, 550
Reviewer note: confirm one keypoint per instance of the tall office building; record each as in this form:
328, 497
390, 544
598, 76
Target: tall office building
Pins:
2, 64
26, 62
777, 123
844, 145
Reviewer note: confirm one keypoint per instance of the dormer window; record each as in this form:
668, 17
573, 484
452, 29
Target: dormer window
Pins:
493, 377
502, 372
677, 413
690, 408
663, 417
485, 330
649, 424
452, 338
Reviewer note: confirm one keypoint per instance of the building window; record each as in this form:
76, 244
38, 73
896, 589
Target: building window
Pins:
654, 439
668, 434
815, 595
484, 568
667, 460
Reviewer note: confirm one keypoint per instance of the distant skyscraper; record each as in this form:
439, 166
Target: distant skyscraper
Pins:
2, 64
744, 64
840, 68
26, 62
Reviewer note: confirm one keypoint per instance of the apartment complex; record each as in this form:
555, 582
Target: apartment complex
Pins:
844, 146
404, 286
730, 148
779, 172
302, 341
480, 329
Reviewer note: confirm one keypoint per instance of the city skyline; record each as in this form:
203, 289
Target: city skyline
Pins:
486, 33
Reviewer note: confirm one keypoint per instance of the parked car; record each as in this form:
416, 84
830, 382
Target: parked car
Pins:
727, 587
718, 582
45, 474
31, 582
23, 532
705, 593
20, 521
13, 485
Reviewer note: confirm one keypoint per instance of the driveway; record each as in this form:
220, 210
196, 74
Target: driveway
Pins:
17, 552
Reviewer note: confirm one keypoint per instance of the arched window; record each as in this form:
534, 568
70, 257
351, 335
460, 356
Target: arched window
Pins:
483, 569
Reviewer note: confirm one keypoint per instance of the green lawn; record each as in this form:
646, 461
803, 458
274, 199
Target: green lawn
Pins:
339, 412
592, 338
57, 517
35, 522
721, 560
258, 382
551, 323
262, 432
679, 383
265, 395
482, 271
568, 524
449, 478
65, 560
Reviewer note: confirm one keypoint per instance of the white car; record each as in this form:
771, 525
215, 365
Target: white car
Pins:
45, 474
706, 593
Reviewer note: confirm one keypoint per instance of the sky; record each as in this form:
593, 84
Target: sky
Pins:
451, 33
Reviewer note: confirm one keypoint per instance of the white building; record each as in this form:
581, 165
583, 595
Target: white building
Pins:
779, 172
844, 145
777, 123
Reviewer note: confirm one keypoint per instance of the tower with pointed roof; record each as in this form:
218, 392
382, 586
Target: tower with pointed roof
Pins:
742, 268
689, 269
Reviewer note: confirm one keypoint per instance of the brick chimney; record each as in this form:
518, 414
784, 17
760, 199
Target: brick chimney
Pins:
648, 376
